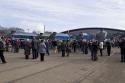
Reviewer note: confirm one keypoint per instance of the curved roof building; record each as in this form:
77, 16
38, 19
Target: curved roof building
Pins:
94, 30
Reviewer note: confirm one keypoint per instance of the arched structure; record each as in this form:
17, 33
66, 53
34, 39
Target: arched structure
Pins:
93, 30
111, 32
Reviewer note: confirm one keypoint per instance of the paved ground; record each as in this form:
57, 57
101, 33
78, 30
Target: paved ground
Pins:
77, 68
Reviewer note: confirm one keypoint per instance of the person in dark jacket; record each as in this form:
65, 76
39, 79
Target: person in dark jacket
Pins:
74, 44
17, 46
122, 48
35, 45
86, 47
2, 52
83, 46
94, 50
55, 46
90, 46
68, 47
63, 48
47, 47
108, 45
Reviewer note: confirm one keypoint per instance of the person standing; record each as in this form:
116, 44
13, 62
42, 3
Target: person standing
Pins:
86, 47
101, 48
27, 49
42, 50
7, 44
94, 50
2, 52
68, 49
34, 45
108, 45
74, 44
17, 45
47, 47
59, 46
55, 45
63, 48
90, 46
122, 48
13, 45
83, 46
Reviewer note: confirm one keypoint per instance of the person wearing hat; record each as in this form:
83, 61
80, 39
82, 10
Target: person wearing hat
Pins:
2, 51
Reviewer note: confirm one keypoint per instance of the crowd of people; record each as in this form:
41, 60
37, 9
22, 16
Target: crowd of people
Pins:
38, 47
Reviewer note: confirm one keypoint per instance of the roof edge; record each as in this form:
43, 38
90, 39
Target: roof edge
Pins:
86, 28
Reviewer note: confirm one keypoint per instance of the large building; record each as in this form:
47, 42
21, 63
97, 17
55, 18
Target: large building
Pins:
94, 30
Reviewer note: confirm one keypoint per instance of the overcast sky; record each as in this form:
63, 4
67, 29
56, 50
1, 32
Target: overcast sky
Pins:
61, 15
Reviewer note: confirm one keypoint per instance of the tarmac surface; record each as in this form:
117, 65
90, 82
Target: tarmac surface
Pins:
77, 68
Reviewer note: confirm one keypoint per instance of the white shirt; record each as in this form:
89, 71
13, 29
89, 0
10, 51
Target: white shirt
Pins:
101, 45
